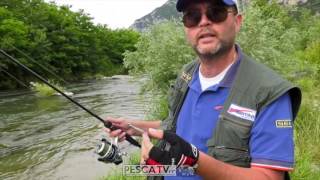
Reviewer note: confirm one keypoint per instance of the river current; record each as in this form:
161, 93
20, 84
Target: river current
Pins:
51, 138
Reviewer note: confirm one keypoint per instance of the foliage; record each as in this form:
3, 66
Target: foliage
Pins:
314, 5
134, 159
43, 89
311, 55
272, 36
66, 42
307, 141
160, 53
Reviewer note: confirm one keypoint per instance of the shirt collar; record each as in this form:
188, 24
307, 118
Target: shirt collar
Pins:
230, 75
195, 82
228, 78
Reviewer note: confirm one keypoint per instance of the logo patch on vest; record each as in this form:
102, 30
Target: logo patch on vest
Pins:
242, 112
284, 123
186, 77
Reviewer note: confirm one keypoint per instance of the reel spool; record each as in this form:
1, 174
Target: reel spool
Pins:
109, 152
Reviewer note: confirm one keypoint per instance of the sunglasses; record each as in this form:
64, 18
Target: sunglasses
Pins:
215, 14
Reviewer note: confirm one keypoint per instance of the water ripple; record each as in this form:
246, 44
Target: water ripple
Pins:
45, 137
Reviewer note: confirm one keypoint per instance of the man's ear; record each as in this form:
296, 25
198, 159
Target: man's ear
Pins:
238, 21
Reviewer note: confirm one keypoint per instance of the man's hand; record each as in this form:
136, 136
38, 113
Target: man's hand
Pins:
146, 146
124, 128
184, 153
123, 125
180, 152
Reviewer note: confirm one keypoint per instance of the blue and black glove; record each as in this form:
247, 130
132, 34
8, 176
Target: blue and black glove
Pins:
181, 153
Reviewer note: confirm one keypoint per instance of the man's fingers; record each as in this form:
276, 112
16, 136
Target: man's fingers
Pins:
107, 130
144, 152
115, 133
146, 146
114, 121
118, 122
145, 139
155, 133
122, 135
122, 139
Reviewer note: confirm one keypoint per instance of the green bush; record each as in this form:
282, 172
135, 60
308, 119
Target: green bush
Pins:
271, 35
65, 42
160, 54
43, 89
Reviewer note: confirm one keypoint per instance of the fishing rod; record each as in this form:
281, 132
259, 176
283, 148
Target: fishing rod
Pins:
107, 124
35, 62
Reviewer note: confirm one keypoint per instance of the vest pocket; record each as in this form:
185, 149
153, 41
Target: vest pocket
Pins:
230, 142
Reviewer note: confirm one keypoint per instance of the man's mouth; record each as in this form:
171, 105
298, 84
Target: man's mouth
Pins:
206, 37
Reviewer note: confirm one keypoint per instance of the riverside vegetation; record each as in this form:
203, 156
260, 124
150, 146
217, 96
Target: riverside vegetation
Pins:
64, 42
286, 39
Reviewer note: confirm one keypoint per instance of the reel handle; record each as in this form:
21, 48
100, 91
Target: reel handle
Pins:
129, 138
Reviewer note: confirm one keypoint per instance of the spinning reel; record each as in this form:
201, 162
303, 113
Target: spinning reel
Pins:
109, 152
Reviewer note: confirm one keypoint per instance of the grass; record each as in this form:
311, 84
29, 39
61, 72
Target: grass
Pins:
117, 174
307, 133
43, 89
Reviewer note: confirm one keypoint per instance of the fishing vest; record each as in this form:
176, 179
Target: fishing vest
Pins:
255, 86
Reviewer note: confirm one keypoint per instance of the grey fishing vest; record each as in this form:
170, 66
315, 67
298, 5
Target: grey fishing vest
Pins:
255, 86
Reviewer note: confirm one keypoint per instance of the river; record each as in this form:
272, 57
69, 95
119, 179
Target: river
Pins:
51, 138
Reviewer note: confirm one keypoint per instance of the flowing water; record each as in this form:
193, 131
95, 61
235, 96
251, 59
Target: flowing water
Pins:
51, 138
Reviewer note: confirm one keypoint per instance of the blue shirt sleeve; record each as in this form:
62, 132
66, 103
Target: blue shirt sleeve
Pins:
271, 143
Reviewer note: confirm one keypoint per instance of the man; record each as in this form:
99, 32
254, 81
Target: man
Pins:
230, 117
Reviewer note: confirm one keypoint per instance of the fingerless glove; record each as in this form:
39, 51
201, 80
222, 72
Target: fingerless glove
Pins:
181, 153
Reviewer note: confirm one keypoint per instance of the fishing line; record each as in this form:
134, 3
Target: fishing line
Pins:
34, 61
107, 124
13, 77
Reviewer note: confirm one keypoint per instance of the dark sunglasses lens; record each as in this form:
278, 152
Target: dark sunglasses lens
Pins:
214, 14
217, 14
191, 19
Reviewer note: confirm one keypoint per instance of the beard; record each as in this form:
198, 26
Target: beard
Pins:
222, 48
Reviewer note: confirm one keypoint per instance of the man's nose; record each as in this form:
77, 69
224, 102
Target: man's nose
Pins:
205, 21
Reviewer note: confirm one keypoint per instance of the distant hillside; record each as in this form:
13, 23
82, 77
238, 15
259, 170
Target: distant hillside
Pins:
165, 12
168, 11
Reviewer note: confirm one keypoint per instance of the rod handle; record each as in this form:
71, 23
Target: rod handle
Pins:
129, 138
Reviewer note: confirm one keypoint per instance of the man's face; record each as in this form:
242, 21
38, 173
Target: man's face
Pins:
208, 38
